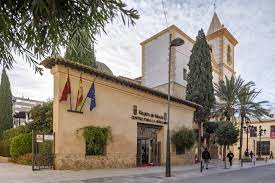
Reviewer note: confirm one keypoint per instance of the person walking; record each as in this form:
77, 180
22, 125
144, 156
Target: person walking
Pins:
271, 155
254, 159
206, 157
246, 153
251, 154
230, 156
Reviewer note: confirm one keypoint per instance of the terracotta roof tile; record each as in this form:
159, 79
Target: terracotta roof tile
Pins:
51, 61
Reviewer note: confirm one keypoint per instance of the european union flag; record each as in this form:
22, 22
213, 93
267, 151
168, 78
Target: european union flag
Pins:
91, 95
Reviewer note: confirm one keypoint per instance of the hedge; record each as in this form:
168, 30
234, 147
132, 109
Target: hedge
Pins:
7, 136
4, 148
21, 144
10, 133
25, 159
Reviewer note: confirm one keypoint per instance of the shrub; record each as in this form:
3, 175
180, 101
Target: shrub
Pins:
4, 148
10, 133
183, 138
25, 159
21, 144
42, 116
96, 139
6, 137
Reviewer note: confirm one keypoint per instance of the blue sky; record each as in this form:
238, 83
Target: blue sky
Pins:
252, 22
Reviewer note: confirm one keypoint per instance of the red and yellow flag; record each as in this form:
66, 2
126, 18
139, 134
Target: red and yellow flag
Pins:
79, 101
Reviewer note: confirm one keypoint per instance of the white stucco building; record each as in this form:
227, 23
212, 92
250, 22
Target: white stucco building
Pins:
21, 108
155, 57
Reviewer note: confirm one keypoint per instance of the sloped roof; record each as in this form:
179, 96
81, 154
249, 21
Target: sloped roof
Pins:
170, 28
215, 24
52, 61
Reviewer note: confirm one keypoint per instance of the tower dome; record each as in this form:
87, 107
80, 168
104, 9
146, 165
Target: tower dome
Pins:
103, 68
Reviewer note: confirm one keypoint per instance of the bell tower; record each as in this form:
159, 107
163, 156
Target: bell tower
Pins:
222, 44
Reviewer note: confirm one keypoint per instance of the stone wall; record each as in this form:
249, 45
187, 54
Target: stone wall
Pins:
187, 158
80, 161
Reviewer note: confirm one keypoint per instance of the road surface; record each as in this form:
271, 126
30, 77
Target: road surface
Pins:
261, 174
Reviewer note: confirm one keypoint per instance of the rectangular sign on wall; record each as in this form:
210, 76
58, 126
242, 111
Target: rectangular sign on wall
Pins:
39, 138
48, 137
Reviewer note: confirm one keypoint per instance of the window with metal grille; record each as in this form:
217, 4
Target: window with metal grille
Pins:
265, 147
253, 132
180, 150
272, 131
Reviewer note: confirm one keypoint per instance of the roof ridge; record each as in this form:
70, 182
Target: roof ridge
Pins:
52, 61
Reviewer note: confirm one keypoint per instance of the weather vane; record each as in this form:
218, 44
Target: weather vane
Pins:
214, 5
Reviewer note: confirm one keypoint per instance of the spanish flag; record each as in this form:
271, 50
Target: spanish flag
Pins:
79, 101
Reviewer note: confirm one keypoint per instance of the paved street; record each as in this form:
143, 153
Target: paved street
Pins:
263, 173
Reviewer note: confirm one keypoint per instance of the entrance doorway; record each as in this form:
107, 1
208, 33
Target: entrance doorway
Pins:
148, 148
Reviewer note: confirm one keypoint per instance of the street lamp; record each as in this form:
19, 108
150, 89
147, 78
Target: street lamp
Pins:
261, 133
175, 42
248, 128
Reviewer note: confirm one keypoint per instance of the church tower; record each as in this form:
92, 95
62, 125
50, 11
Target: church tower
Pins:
155, 51
222, 44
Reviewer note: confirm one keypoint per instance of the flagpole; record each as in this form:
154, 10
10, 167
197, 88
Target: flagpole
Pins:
86, 97
70, 91
78, 92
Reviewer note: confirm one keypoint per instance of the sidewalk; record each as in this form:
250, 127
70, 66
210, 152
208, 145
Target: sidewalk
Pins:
18, 173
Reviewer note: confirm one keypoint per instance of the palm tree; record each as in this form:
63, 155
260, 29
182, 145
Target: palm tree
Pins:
249, 108
227, 92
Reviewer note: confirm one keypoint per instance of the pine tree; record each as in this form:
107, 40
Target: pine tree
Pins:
199, 82
81, 49
5, 103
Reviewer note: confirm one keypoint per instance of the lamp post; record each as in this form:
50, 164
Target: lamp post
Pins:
175, 42
261, 133
248, 128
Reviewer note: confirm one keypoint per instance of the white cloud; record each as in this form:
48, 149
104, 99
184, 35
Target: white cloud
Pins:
250, 21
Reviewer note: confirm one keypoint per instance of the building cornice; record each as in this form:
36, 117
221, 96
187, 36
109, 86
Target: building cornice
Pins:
52, 61
225, 33
172, 28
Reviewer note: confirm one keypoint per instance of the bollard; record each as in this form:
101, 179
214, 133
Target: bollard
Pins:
201, 165
241, 163
265, 159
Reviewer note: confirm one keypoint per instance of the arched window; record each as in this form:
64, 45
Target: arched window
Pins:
184, 74
229, 59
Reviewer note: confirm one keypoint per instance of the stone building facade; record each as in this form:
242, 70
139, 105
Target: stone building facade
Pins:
256, 143
136, 114
21, 108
